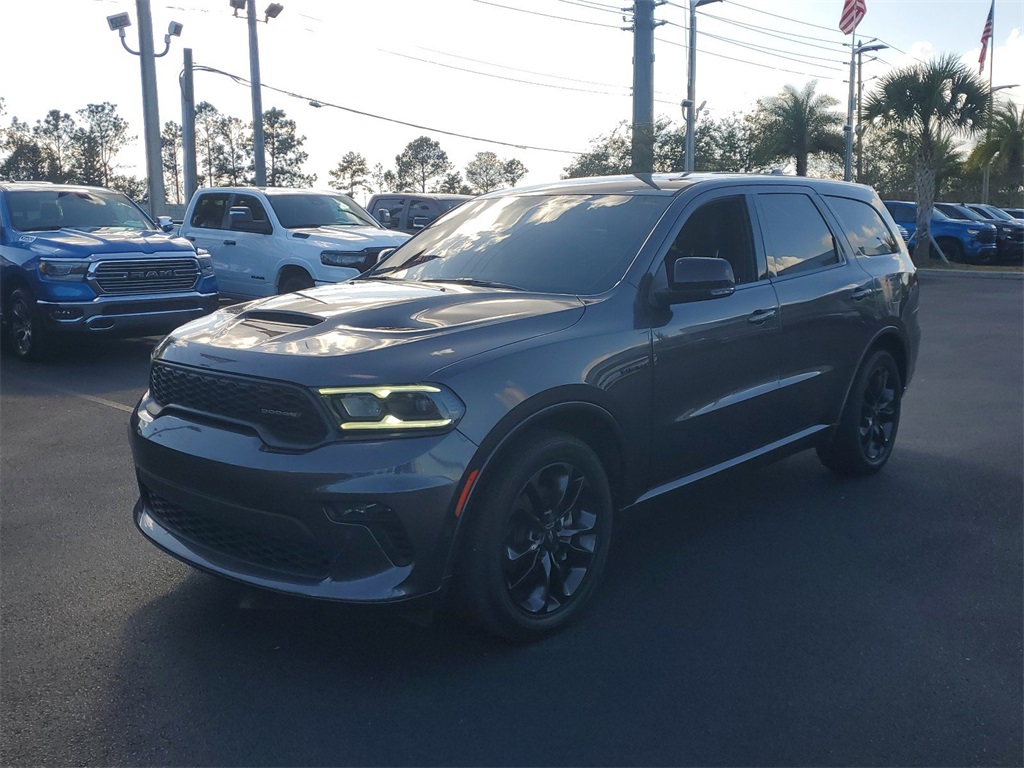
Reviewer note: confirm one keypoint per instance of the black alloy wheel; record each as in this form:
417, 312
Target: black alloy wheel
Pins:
878, 414
25, 335
866, 434
550, 541
538, 538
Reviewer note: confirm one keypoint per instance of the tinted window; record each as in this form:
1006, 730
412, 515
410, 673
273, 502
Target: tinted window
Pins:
210, 210
864, 227
393, 205
260, 222
422, 213
798, 238
901, 211
300, 211
579, 244
719, 229
39, 210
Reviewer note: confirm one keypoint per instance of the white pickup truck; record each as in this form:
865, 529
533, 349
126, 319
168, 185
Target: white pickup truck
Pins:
270, 240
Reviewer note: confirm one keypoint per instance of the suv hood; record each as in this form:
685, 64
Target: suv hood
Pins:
355, 238
366, 331
82, 243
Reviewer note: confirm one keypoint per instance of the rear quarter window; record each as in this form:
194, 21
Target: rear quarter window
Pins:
865, 229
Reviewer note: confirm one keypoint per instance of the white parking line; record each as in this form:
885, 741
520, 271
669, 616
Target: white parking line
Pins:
72, 393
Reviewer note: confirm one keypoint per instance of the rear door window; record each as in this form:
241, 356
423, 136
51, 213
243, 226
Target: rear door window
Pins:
865, 229
798, 239
211, 211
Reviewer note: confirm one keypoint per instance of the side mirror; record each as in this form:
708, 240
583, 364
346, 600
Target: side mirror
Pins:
698, 278
165, 223
240, 215
384, 254
384, 217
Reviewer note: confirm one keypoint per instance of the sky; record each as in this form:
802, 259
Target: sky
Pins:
546, 74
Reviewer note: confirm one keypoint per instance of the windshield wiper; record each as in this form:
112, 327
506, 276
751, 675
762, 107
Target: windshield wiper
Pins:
471, 281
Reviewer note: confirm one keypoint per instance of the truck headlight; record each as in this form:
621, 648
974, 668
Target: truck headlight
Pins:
400, 408
205, 262
972, 231
351, 259
64, 269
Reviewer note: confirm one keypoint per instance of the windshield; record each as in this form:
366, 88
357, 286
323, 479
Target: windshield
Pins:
578, 244
319, 210
959, 212
40, 210
995, 213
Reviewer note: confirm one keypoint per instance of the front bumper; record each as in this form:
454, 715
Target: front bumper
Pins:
127, 315
368, 521
1010, 250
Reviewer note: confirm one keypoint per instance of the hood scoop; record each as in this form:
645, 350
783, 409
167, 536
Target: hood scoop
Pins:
279, 317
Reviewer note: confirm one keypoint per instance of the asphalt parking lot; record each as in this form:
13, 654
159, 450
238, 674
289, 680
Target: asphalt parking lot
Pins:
779, 616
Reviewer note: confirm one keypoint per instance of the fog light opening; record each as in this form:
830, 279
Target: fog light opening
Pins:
66, 313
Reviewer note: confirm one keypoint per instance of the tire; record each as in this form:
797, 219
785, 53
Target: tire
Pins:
295, 281
24, 335
953, 249
538, 538
866, 434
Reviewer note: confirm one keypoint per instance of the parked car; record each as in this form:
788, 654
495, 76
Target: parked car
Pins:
271, 240
77, 259
476, 409
960, 240
1017, 213
1010, 230
412, 212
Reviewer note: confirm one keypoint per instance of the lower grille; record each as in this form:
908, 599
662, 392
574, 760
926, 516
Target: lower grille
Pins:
282, 415
987, 237
278, 554
123, 277
136, 307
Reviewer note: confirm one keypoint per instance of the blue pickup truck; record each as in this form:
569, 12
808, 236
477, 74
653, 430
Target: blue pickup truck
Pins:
89, 260
968, 241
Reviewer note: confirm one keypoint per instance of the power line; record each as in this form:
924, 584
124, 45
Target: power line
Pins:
770, 52
516, 79
778, 16
748, 61
320, 102
593, 6
547, 15
777, 33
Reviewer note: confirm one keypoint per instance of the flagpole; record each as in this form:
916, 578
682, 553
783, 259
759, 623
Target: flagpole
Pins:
848, 128
986, 176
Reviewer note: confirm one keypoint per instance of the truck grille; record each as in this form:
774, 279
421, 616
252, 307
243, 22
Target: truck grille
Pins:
987, 236
124, 277
280, 554
283, 415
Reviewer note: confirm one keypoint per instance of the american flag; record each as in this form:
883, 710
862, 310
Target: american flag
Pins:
986, 36
853, 12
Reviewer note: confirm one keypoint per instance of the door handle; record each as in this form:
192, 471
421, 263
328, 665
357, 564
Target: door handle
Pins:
229, 242
761, 316
862, 293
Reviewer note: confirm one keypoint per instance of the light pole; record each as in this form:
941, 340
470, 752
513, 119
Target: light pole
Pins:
988, 137
691, 83
150, 109
855, 63
272, 12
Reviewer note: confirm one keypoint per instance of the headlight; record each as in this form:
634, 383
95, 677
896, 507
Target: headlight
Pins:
63, 269
205, 262
352, 259
972, 231
392, 409
1007, 230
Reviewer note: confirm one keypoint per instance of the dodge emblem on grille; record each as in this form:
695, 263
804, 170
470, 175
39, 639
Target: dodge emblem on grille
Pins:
272, 412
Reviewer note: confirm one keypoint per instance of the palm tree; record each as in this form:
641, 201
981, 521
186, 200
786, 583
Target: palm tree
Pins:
932, 100
796, 124
1003, 145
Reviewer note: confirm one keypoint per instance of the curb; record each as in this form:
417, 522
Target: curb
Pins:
967, 273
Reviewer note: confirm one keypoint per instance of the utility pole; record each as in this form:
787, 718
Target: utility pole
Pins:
858, 129
150, 112
188, 129
691, 85
643, 86
852, 112
260, 162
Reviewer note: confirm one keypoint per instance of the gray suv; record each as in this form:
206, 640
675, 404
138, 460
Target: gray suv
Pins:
467, 418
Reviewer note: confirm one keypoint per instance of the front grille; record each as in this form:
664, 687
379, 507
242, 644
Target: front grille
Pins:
987, 236
282, 414
1016, 235
276, 553
123, 277
140, 307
